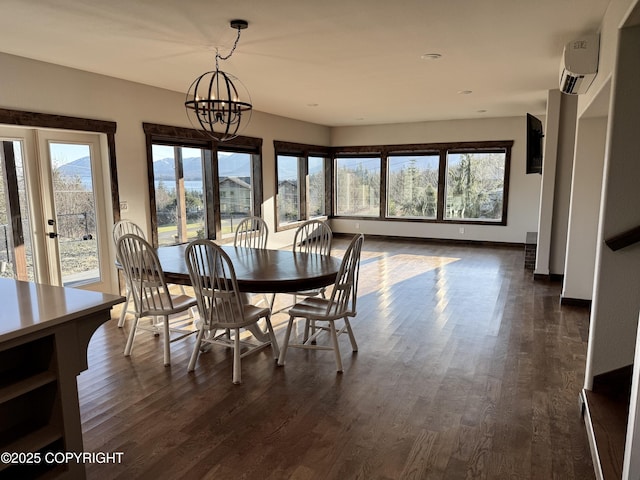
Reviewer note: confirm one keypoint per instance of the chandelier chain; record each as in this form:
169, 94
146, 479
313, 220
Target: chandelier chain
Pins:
233, 49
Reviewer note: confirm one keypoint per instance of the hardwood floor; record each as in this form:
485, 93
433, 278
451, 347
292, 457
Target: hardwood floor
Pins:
467, 368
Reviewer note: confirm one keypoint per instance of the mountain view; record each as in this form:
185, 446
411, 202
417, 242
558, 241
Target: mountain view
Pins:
235, 165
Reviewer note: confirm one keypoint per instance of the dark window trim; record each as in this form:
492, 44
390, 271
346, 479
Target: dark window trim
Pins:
188, 137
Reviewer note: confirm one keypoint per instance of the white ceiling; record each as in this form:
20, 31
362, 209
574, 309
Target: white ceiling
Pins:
331, 62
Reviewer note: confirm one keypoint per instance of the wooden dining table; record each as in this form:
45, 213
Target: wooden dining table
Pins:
260, 271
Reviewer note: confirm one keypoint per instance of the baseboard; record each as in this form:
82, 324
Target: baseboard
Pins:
450, 241
575, 302
591, 437
551, 277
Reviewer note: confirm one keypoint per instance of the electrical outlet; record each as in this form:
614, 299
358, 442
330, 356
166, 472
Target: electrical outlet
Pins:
124, 206
461, 229
357, 226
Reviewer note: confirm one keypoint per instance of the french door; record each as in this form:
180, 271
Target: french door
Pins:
55, 186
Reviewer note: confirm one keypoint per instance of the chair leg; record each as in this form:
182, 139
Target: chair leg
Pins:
236, 358
352, 338
132, 334
336, 348
283, 350
196, 350
272, 336
166, 341
125, 307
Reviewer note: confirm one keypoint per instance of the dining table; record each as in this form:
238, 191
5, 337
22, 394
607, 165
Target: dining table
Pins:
260, 270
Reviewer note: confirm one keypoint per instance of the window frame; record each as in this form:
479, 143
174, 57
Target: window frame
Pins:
303, 152
185, 137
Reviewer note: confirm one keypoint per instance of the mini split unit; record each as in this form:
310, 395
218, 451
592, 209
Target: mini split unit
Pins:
579, 64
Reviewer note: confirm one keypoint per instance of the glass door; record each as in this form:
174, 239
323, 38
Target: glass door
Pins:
55, 207
73, 209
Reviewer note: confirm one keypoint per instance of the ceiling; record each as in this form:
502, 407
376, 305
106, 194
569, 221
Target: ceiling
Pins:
330, 62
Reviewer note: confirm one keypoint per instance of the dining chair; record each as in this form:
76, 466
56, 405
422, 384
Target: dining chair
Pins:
151, 295
340, 305
122, 227
251, 232
221, 306
313, 236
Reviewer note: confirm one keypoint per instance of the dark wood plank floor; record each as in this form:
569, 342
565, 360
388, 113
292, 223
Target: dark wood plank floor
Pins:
467, 369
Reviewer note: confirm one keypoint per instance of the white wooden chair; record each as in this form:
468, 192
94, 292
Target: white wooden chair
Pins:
150, 293
340, 306
221, 306
251, 232
122, 227
313, 236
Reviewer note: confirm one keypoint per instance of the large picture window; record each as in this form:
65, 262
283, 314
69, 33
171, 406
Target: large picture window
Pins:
358, 186
198, 189
235, 186
413, 186
475, 186
179, 191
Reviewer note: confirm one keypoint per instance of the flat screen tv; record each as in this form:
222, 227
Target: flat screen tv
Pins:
534, 144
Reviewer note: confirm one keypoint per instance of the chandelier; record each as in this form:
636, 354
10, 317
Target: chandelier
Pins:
217, 102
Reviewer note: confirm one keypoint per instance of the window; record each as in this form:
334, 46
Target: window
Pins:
413, 186
198, 189
179, 192
317, 187
235, 182
358, 186
475, 186
302, 185
288, 192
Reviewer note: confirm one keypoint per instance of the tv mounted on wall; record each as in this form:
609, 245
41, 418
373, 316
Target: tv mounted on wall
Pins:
534, 144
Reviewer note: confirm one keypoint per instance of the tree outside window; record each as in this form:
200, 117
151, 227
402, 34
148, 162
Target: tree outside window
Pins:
412, 186
358, 186
475, 186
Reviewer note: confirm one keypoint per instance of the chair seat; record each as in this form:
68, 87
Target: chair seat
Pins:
316, 308
180, 304
250, 314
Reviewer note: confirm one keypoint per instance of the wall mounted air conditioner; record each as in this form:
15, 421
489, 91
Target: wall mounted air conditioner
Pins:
579, 64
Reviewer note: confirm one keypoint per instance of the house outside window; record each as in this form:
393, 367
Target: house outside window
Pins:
198, 189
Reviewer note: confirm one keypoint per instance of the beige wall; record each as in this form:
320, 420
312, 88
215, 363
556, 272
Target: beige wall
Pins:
585, 209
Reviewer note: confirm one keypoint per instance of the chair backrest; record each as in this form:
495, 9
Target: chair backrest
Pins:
144, 275
313, 236
214, 283
251, 232
122, 227
345, 289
